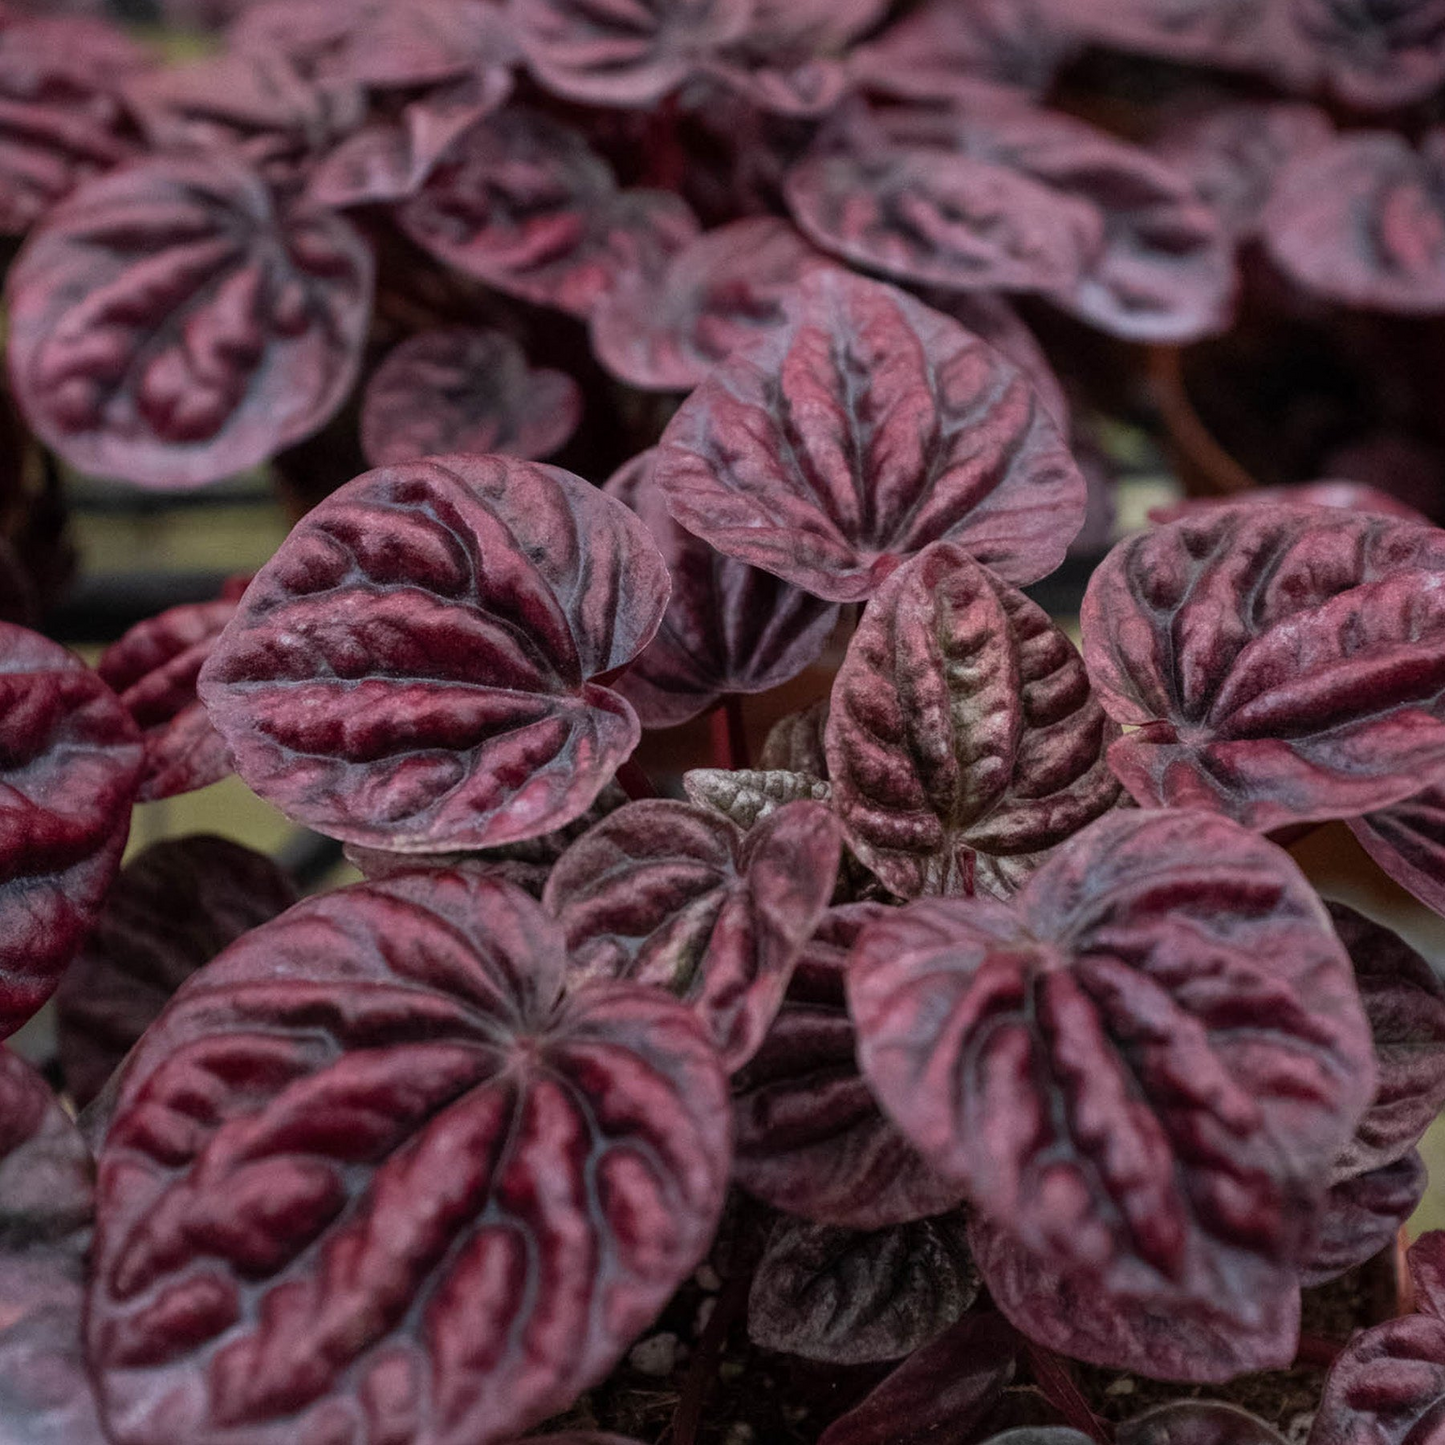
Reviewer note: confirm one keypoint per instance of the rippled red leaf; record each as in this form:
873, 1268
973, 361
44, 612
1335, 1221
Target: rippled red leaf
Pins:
1363, 1215
666, 894
863, 428
1377, 54
171, 911
729, 628
171, 326
963, 740
70, 760
810, 1136
1346, 496
411, 671
1407, 840
1280, 663
464, 390
428, 1197
1197, 1422
1143, 1072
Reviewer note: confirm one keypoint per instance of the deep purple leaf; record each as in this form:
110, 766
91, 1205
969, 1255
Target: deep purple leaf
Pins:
171, 911
1426, 1259
1142, 1071
810, 1137
666, 894
729, 628
1197, 1422
1346, 496
963, 741
795, 743
411, 670
464, 390
70, 761
1281, 664
169, 325
1362, 1216
866, 426
1387, 1388
1378, 54
848, 1297
428, 1197
1407, 840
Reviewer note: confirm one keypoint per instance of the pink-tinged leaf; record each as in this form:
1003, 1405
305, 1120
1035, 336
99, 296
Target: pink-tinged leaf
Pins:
623, 52
1387, 1388
1361, 221
70, 761
795, 743
1197, 1422
810, 1136
1405, 1003
670, 895
794, 84
1407, 840
861, 429
66, 59
169, 325
1280, 663
729, 628
1345, 496
848, 1297
940, 1395
464, 390
1376, 54
963, 740
1142, 1071
427, 1197
171, 911
1362, 1216
1426, 1259
411, 671
153, 669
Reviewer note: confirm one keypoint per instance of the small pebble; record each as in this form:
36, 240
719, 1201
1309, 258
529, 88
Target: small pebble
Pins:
1124, 1385
708, 1278
656, 1356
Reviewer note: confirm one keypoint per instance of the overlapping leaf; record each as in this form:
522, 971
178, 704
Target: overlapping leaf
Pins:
169, 325
1346, 496
748, 795
1279, 663
1377, 54
678, 897
1407, 840
860, 430
1364, 1215
411, 670
441, 1231
1197, 1422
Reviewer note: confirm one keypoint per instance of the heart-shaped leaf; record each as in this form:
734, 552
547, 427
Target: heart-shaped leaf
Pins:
1377, 56
848, 1297
1362, 1216
1281, 664
862, 428
1407, 840
678, 897
70, 762
795, 743
427, 1194
410, 671
963, 741
464, 390
1143, 1071
729, 628
1347, 496
170, 325
171, 911
810, 1136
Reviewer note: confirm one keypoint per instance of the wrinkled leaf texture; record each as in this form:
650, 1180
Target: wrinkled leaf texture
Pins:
1364, 1215
1407, 840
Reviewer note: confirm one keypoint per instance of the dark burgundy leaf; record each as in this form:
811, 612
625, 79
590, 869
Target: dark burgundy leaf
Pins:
169, 325
1427, 1272
1362, 1216
810, 1137
1387, 1388
1407, 840
1280, 663
1378, 54
963, 741
464, 390
1362, 221
427, 1198
747, 796
940, 1394
1346, 496
1142, 1071
795, 743
674, 896
1197, 1422
70, 760
864, 427
171, 911
154, 668
729, 628
411, 670
847, 1297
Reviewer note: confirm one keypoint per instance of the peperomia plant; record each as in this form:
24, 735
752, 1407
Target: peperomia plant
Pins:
972, 1055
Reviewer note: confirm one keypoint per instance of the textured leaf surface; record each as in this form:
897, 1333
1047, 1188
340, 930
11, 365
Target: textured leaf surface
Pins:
1363, 1215
1407, 840
675, 896
729, 627
1347, 496
410, 671
861, 429
1378, 54
70, 760
848, 1297
426, 1197
171, 911
747, 796
170, 325
464, 390
795, 743
963, 741
1387, 1388
810, 1136
1142, 1071
1280, 663
1197, 1422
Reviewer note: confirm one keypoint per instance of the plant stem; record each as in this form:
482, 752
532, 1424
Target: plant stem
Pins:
729, 734
634, 782
1056, 1381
